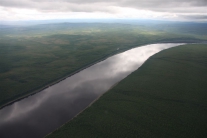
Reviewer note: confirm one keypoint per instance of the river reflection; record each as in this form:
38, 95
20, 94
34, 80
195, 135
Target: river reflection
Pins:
39, 114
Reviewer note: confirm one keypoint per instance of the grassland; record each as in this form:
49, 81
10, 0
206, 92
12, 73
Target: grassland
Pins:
166, 97
34, 56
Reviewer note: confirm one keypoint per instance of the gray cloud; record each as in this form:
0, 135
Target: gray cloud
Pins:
177, 7
165, 6
156, 5
194, 17
62, 5
16, 3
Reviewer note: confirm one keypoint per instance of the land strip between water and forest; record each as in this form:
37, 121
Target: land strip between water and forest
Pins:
165, 97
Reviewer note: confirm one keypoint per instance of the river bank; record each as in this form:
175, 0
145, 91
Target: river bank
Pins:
22, 96
168, 102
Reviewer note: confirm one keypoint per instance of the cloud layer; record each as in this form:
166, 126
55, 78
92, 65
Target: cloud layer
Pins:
158, 9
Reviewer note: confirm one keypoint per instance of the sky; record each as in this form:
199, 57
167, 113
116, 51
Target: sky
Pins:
175, 10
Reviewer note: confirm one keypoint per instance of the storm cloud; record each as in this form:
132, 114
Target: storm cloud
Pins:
177, 9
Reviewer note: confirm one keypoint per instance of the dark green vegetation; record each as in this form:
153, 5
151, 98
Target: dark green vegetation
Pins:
166, 97
34, 56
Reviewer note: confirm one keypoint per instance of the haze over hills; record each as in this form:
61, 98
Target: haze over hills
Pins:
122, 21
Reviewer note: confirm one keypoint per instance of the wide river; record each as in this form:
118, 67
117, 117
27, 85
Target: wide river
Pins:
37, 115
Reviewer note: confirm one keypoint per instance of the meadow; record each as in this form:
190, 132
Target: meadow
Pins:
33, 56
165, 97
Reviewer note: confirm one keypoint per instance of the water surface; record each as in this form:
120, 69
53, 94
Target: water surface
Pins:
39, 114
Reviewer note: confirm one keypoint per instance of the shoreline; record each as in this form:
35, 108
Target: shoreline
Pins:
69, 75
87, 106
83, 109
86, 66
113, 103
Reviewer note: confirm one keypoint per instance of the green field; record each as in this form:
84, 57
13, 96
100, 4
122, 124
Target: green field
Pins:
166, 97
33, 56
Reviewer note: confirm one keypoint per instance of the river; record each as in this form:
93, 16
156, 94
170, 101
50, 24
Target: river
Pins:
37, 115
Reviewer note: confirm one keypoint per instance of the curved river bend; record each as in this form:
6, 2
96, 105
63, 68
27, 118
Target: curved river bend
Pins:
39, 114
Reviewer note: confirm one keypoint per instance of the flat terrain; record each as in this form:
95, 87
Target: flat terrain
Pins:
166, 97
33, 56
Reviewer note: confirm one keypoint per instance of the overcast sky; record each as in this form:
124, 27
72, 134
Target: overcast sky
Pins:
192, 10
